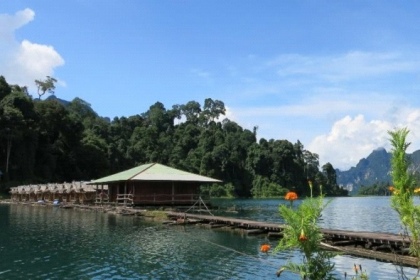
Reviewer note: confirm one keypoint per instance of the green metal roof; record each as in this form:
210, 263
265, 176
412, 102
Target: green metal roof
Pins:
154, 172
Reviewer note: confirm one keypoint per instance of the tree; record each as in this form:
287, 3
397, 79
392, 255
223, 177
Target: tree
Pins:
283, 167
17, 121
49, 140
212, 110
330, 176
185, 141
48, 85
11, 122
60, 136
311, 164
5, 89
191, 111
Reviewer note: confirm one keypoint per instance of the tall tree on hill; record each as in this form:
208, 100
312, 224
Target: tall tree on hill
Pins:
311, 164
157, 133
191, 111
283, 154
212, 110
47, 85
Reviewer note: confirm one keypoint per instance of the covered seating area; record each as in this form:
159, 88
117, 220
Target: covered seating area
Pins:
153, 184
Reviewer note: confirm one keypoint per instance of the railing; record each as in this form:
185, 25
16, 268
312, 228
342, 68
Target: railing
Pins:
126, 199
167, 199
102, 198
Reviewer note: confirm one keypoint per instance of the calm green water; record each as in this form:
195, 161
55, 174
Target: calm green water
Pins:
39, 242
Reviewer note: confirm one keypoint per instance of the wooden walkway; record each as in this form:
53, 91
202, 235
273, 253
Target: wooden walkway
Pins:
380, 246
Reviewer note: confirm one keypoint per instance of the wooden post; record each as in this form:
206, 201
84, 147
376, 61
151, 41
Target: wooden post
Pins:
173, 192
102, 193
125, 194
133, 188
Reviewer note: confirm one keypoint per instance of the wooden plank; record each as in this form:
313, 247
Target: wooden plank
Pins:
275, 234
365, 244
382, 256
255, 231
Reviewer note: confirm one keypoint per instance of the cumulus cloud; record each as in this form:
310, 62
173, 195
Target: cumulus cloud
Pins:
351, 139
23, 62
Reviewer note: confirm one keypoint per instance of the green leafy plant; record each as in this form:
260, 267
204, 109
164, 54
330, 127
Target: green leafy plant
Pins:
303, 233
403, 190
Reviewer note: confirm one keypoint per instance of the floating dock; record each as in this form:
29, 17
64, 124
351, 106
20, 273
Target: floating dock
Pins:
374, 245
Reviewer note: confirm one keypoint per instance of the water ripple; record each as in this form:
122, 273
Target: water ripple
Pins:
53, 243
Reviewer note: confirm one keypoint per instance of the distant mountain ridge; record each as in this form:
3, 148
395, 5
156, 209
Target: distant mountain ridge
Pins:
65, 103
376, 168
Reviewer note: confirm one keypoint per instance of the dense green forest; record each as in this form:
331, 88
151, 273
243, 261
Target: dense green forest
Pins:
51, 140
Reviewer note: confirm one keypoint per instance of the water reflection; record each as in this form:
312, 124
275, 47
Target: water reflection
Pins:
51, 243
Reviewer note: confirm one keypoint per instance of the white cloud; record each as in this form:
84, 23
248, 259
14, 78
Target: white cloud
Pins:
23, 62
345, 67
201, 73
8, 23
36, 61
351, 139
299, 97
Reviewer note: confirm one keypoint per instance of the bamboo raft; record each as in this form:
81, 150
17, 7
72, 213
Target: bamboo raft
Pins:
374, 245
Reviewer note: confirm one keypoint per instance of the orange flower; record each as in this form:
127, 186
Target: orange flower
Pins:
302, 237
265, 248
393, 190
356, 269
291, 196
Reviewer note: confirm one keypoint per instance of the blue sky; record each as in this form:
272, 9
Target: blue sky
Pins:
336, 75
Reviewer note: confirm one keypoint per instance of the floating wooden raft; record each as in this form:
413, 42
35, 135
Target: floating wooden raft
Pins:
381, 246
241, 223
372, 254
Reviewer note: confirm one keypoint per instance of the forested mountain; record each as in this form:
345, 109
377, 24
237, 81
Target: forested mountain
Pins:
53, 140
374, 172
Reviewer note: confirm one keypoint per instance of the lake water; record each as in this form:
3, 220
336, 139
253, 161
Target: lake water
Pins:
39, 242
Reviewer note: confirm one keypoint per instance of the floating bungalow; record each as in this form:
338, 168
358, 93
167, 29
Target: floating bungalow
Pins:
152, 184
74, 192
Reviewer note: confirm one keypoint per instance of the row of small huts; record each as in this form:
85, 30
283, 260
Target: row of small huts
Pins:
75, 192
147, 184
